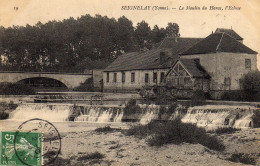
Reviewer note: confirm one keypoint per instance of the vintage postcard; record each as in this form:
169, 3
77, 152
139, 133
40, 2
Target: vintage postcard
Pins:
129, 82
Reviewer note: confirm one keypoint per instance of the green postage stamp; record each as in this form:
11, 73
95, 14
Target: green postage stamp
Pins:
20, 148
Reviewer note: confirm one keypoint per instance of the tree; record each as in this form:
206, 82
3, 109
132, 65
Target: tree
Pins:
157, 34
172, 30
251, 85
142, 34
125, 35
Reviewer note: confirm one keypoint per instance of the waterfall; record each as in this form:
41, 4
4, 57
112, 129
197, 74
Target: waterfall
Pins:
204, 116
150, 113
100, 114
219, 116
52, 113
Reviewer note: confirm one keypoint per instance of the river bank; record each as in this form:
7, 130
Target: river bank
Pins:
119, 149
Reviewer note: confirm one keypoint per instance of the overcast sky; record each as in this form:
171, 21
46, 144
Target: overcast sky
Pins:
192, 23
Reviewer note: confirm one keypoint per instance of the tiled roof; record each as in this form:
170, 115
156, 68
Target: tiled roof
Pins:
218, 42
193, 67
230, 32
151, 59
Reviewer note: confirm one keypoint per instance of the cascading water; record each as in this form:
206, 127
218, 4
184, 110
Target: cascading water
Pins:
100, 114
150, 113
219, 116
204, 116
53, 113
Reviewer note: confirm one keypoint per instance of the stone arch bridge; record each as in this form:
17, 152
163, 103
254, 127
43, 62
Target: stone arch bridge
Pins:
70, 80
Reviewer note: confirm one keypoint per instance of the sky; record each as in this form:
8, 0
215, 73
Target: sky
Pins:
193, 23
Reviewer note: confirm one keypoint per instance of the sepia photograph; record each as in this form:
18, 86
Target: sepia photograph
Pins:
129, 82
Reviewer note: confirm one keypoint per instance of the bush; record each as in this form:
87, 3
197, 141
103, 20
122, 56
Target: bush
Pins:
4, 115
131, 107
176, 132
198, 97
91, 156
243, 158
15, 89
5, 108
256, 119
60, 161
105, 129
87, 86
164, 98
226, 130
233, 96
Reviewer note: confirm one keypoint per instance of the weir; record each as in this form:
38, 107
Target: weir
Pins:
210, 116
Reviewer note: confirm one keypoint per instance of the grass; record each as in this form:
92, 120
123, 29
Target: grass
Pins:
4, 115
226, 130
60, 161
256, 119
91, 156
5, 108
174, 132
105, 129
243, 158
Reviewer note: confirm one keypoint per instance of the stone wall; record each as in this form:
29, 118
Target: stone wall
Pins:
225, 65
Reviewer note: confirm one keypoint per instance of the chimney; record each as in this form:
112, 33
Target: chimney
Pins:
162, 57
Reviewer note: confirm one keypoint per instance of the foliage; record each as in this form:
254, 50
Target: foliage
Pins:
233, 95
60, 161
176, 132
251, 86
15, 89
131, 107
142, 34
87, 86
226, 130
243, 158
5, 108
256, 119
91, 156
105, 129
4, 115
171, 109
172, 30
164, 98
73, 45
198, 97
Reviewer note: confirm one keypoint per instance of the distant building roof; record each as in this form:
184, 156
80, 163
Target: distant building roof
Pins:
230, 32
218, 42
151, 59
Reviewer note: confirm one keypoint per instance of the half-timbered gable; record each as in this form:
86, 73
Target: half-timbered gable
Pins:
187, 74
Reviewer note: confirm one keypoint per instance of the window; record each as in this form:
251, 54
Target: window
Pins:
123, 76
132, 77
248, 64
115, 77
227, 83
146, 78
181, 81
155, 77
162, 77
107, 76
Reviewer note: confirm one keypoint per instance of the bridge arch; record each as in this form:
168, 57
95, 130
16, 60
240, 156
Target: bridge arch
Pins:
44, 82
